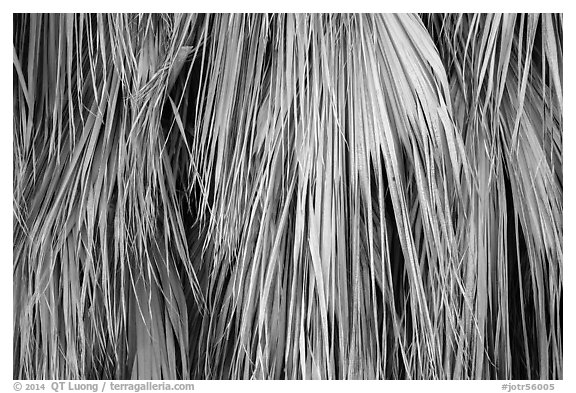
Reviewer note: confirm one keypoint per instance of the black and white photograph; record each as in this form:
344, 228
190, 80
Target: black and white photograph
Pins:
287, 196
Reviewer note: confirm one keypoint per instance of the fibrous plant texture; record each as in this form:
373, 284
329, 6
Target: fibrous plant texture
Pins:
287, 196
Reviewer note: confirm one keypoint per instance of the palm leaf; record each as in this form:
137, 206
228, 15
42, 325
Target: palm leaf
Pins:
287, 196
